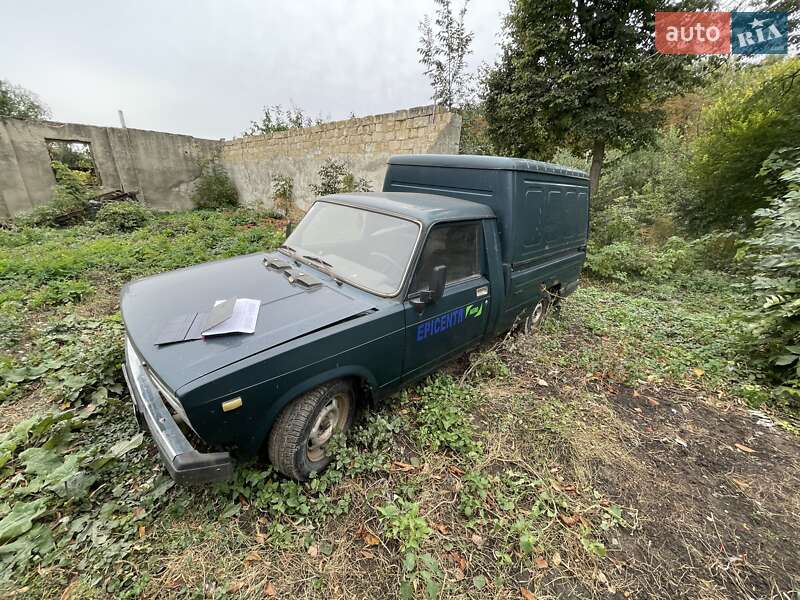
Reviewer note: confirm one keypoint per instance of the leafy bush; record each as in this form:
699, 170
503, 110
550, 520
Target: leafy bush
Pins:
442, 419
335, 177
617, 260
756, 111
776, 256
276, 118
69, 204
122, 216
215, 189
283, 193
403, 523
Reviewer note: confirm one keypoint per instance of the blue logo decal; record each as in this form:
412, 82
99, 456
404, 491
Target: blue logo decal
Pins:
759, 33
448, 320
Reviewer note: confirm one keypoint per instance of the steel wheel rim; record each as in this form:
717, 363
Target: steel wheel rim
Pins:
535, 317
331, 419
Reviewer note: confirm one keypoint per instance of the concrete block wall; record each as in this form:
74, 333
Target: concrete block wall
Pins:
365, 143
161, 166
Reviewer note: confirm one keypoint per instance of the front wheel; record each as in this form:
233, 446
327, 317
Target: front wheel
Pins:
298, 440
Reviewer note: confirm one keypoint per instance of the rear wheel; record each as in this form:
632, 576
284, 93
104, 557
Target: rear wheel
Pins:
534, 320
298, 440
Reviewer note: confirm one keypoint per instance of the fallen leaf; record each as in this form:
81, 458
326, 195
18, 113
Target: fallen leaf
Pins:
369, 538
401, 466
540, 562
261, 539
459, 560
67, 593
542, 382
635, 394
270, 590
527, 594
698, 372
313, 551
252, 556
477, 540
367, 554
569, 520
141, 531
557, 559
681, 441
455, 470
742, 484
440, 528
744, 448
653, 402
235, 586
459, 575
601, 577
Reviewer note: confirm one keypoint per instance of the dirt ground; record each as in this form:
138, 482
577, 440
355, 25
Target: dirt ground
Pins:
711, 488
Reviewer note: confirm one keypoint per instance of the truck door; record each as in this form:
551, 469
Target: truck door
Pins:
457, 321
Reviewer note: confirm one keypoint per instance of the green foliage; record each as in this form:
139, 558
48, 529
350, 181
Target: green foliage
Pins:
122, 216
475, 137
442, 417
61, 291
616, 260
276, 118
646, 184
582, 74
663, 330
18, 103
473, 493
620, 260
402, 522
70, 202
443, 50
756, 110
775, 253
283, 193
485, 366
215, 188
335, 177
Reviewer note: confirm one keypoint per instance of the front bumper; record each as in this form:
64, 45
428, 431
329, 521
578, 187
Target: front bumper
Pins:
184, 463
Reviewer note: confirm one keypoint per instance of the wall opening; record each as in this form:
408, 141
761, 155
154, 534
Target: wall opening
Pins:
77, 156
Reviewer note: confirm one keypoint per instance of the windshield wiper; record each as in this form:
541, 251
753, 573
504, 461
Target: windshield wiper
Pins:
319, 260
287, 248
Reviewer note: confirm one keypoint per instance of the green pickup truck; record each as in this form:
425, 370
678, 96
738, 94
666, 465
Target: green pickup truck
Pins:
370, 292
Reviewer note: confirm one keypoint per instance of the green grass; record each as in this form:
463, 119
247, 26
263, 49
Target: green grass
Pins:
447, 490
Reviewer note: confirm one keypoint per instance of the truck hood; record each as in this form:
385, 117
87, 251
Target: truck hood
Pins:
288, 311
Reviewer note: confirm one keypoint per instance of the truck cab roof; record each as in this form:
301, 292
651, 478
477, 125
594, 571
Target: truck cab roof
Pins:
427, 209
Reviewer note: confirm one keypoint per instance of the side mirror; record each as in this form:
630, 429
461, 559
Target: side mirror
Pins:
438, 279
436, 291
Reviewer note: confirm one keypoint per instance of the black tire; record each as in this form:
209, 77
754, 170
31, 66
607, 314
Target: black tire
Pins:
291, 448
533, 320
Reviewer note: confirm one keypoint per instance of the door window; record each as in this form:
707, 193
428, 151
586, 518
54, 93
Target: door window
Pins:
455, 245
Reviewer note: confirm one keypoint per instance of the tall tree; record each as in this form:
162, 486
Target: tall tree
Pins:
443, 49
584, 73
19, 103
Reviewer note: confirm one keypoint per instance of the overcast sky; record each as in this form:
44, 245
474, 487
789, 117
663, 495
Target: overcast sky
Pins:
207, 68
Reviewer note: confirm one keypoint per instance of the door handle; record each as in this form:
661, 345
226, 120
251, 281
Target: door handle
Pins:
482, 291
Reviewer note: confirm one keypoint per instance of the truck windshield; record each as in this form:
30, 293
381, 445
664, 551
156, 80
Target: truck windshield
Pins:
368, 249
